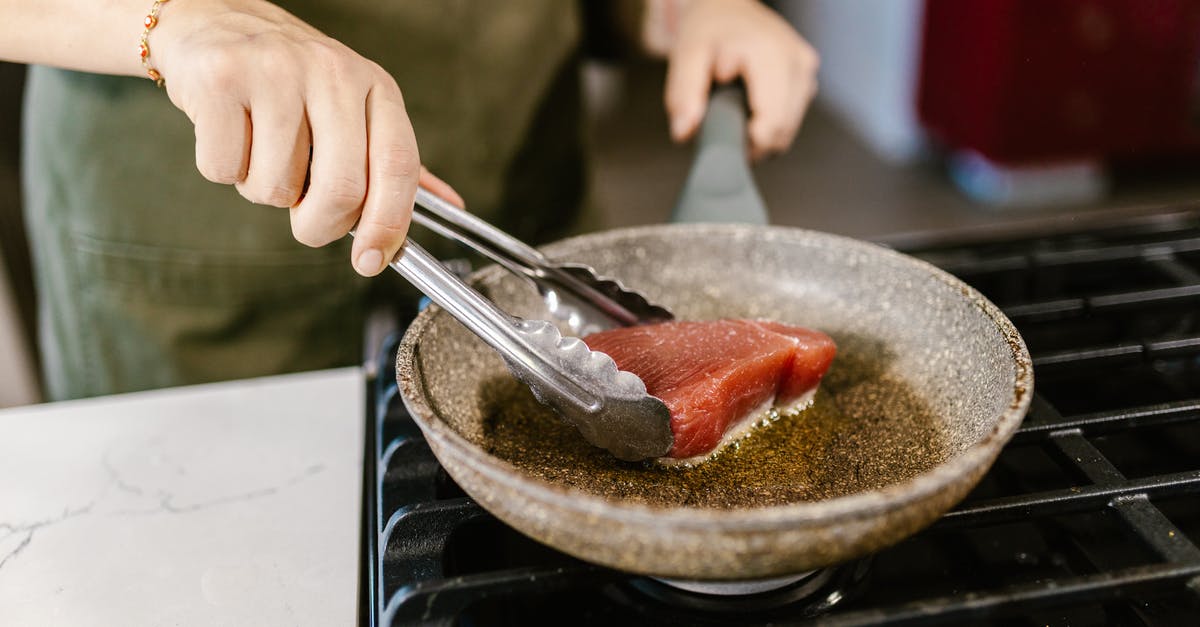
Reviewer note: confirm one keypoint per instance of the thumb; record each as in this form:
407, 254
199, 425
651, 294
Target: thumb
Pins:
689, 76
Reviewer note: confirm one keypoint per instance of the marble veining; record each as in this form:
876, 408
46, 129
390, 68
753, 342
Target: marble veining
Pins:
164, 501
22, 533
234, 503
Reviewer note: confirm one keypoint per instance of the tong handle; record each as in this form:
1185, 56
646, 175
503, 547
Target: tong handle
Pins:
451, 222
442, 217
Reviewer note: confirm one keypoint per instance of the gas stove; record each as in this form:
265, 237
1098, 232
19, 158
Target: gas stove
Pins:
1090, 515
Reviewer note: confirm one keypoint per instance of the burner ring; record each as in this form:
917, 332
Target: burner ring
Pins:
811, 593
736, 588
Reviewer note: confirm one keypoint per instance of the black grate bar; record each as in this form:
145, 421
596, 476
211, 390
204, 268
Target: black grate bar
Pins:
1159, 533
1145, 520
1021, 599
1178, 271
1108, 303
1165, 296
1110, 421
409, 473
1170, 349
1106, 356
1069, 500
1109, 254
368, 586
1047, 310
1080, 454
1046, 259
415, 538
441, 602
1119, 355
982, 267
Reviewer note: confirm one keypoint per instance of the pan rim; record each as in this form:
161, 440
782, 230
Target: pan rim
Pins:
858, 505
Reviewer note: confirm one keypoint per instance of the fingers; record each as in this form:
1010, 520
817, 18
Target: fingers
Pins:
721, 41
392, 171
337, 182
279, 150
773, 106
440, 188
689, 75
223, 142
298, 97
779, 89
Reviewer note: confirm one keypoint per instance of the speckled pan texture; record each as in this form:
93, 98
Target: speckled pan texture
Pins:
929, 383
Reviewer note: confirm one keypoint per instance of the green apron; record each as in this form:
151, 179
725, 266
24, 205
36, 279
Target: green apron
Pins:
150, 276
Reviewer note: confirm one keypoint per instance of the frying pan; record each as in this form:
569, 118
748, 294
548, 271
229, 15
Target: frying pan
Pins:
930, 381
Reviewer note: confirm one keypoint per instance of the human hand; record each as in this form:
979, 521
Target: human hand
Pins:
295, 119
721, 40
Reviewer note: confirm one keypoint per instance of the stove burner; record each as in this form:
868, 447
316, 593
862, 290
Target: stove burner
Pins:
807, 594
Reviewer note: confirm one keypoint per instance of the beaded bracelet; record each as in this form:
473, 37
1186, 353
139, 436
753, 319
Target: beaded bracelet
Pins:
144, 43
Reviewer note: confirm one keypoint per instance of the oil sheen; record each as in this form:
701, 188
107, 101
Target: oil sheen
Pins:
860, 433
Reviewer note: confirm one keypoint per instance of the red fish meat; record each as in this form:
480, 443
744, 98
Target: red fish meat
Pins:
714, 376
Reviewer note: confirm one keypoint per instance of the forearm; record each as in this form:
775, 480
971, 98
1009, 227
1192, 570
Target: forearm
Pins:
90, 35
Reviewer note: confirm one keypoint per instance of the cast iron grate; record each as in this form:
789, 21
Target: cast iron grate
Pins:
1089, 516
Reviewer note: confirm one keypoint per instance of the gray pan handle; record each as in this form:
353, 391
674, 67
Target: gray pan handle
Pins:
720, 187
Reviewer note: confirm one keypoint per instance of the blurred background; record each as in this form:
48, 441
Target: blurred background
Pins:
935, 118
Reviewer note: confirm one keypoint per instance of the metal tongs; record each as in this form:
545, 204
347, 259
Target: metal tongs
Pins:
610, 407
573, 292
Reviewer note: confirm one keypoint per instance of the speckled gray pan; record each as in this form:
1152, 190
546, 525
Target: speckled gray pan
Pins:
929, 383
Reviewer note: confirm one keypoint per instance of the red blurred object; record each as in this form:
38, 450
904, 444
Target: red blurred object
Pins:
1028, 81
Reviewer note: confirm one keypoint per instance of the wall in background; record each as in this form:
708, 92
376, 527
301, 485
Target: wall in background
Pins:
870, 54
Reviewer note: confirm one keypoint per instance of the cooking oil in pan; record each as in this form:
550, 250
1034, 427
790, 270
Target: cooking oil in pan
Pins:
860, 433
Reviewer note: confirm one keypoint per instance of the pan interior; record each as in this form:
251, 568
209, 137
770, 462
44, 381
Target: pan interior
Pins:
922, 371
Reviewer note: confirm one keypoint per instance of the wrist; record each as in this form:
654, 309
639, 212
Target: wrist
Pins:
143, 48
174, 26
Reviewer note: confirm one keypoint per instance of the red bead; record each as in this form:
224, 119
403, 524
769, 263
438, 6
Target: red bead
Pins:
153, 74
143, 50
150, 22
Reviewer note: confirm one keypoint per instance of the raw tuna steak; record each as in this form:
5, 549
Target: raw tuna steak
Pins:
718, 376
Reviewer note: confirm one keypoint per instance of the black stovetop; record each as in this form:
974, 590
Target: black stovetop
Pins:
1090, 515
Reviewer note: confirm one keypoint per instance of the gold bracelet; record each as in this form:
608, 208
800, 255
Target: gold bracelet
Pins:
144, 43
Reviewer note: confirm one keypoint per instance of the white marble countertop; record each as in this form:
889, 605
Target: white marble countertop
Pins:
225, 504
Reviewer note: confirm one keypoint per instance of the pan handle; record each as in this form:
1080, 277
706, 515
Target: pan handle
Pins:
720, 187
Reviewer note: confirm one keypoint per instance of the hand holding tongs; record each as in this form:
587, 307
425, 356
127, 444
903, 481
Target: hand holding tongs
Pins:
610, 407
